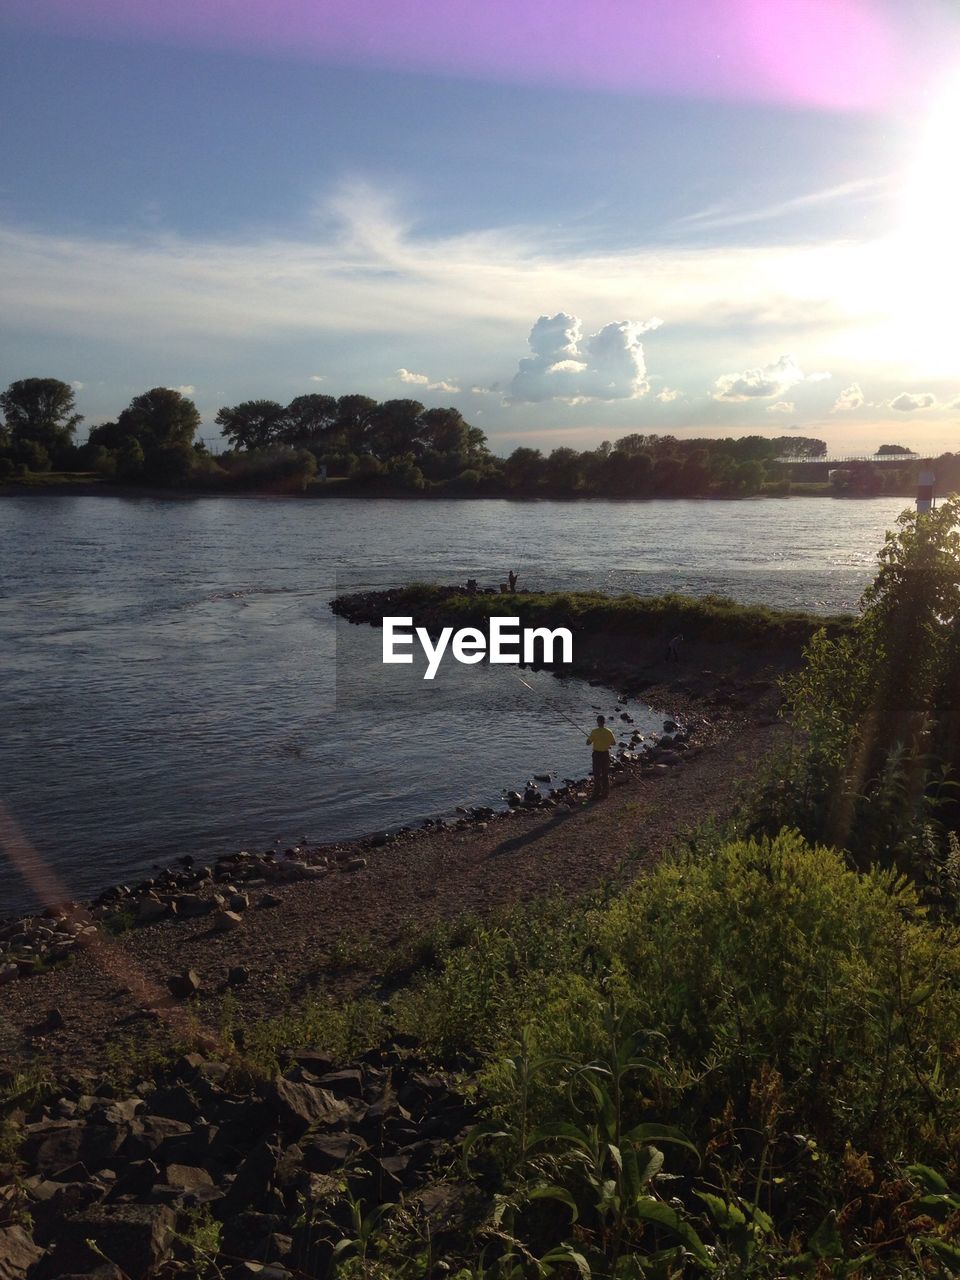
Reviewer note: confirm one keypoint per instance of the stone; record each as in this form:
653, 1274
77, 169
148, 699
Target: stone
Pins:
303, 1105
239, 901
8, 973
270, 900
353, 864
136, 1237
237, 976
185, 984
187, 1176
192, 904
18, 1253
226, 921
331, 1150
150, 910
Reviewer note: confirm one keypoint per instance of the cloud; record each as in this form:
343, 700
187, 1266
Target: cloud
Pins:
186, 390
668, 395
908, 401
78, 386
724, 215
770, 381
565, 365
363, 262
849, 398
423, 380
782, 406
317, 377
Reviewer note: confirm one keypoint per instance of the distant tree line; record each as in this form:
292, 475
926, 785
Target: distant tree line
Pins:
368, 445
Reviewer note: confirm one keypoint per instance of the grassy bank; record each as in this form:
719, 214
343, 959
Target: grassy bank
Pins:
714, 619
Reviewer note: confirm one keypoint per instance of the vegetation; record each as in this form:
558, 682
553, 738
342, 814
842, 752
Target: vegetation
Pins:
876, 710
714, 618
365, 446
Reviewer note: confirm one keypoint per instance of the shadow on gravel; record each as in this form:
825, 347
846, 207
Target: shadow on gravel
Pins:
531, 837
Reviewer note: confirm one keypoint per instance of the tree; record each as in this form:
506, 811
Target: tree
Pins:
41, 411
160, 416
310, 421
523, 469
353, 416
894, 449
393, 429
254, 424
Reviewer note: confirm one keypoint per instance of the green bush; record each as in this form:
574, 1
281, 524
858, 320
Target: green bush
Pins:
798, 1017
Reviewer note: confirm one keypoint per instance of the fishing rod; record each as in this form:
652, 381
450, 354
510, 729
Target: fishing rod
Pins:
556, 710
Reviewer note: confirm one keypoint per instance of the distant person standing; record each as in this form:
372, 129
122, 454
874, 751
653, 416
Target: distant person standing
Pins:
601, 740
673, 649
512, 579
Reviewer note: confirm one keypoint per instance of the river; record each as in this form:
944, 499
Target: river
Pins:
172, 680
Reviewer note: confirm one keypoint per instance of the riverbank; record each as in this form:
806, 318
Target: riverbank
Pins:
719, 703
86, 487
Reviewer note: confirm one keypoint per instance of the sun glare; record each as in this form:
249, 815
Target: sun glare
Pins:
925, 264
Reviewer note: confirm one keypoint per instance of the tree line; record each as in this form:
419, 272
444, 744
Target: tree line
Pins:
392, 445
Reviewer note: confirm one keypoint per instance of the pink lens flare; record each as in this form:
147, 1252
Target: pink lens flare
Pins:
828, 54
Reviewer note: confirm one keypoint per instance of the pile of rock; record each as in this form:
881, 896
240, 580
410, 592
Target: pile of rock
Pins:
113, 1185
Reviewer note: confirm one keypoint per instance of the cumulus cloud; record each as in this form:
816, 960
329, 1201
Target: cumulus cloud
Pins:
849, 398
78, 386
782, 406
908, 401
186, 390
566, 365
759, 384
423, 380
317, 377
668, 395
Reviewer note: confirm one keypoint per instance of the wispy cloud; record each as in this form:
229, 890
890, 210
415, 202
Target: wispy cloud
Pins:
366, 262
724, 215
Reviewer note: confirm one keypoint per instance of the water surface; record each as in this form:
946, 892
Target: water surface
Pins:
168, 672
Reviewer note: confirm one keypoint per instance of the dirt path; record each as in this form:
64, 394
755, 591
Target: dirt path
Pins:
333, 934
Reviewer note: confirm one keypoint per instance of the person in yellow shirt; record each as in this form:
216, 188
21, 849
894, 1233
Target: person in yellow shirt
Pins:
601, 740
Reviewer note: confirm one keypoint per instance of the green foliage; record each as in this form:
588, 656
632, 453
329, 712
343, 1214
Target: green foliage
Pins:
41, 412
877, 711
795, 1020
710, 617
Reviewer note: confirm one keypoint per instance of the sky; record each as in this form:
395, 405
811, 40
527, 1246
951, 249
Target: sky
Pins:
570, 219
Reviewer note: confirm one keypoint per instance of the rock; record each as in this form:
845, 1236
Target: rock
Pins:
18, 1253
150, 910
260, 1271
8, 973
192, 904
239, 901
237, 976
270, 900
331, 1150
187, 1176
225, 921
353, 864
303, 1105
136, 1237
342, 1084
183, 985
